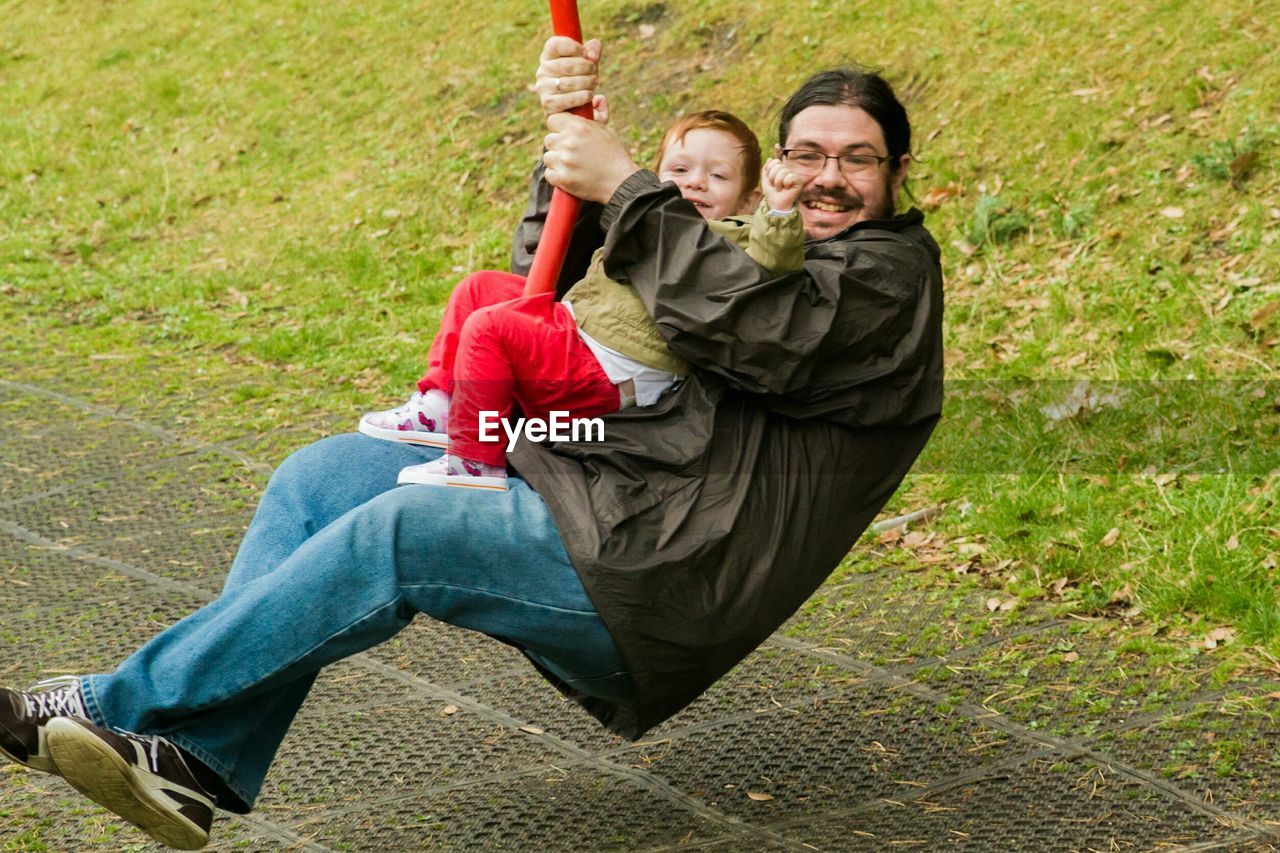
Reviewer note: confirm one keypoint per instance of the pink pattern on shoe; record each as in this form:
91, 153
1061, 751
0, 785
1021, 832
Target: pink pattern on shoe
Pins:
454, 471
470, 468
421, 420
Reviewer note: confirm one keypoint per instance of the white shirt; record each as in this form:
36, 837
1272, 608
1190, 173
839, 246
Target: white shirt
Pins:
649, 381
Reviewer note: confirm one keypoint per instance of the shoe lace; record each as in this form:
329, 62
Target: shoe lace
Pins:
56, 697
153, 744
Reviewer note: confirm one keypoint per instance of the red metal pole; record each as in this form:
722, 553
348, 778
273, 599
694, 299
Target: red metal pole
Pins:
554, 241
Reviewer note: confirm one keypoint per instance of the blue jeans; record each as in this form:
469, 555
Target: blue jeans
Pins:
339, 559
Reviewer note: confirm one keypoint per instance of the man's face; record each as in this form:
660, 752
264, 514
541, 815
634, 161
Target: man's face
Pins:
833, 200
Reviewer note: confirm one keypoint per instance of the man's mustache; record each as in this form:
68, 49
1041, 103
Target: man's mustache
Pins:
839, 198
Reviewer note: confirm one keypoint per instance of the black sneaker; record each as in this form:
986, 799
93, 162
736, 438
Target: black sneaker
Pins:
142, 778
24, 714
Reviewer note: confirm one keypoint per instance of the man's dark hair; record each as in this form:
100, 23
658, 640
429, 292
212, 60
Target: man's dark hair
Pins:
853, 87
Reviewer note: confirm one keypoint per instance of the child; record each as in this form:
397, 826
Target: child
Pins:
597, 351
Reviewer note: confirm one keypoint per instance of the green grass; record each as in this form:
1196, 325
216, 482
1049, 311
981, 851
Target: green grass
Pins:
249, 218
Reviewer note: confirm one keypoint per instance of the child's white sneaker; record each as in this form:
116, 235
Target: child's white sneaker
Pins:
456, 471
422, 420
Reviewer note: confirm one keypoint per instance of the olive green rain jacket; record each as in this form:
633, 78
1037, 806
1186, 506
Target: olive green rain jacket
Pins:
700, 523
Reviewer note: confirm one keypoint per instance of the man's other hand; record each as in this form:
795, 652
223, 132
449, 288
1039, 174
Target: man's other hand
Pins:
584, 158
568, 74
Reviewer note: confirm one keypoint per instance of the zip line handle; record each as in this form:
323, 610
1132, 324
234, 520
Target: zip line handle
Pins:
554, 242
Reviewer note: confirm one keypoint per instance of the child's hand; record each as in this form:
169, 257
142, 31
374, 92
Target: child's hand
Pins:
600, 109
781, 186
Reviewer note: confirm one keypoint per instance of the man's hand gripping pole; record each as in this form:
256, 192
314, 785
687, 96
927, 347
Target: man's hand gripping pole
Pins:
554, 242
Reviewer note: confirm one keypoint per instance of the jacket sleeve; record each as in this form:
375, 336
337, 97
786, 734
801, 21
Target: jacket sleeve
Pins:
863, 312
774, 242
584, 241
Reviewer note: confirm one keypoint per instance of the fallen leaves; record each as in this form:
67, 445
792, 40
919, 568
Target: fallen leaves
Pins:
1081, 399
1123, 595
936, 196
1058, 587
1258, 319
1240, 168
1219, 636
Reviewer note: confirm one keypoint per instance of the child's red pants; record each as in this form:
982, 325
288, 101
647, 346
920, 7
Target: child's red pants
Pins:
497, 349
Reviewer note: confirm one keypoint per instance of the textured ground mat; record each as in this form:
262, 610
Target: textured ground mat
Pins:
893, 712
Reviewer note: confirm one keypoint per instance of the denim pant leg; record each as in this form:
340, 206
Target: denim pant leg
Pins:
314, 486
491, 562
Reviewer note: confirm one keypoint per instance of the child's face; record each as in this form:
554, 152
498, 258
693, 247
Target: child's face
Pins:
707, 167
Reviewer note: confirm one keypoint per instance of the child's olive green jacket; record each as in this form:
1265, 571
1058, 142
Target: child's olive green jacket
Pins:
612, 314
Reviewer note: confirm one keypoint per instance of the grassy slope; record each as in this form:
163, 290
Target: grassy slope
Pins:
254, 214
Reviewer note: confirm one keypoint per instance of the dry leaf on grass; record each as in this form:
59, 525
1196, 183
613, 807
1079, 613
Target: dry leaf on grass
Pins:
888, 537
1259, 318
1081, 399
1219, 636
1110, 538
759, 797
934, 198
916, 539
1057, 587
1240, 167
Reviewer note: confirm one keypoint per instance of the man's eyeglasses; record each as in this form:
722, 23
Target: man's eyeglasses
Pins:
806, 162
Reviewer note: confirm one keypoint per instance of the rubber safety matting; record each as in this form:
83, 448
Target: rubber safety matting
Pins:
893, 712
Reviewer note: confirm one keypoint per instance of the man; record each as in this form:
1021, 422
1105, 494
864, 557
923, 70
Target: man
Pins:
633, 572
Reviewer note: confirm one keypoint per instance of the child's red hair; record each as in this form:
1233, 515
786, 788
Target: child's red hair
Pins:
725, 123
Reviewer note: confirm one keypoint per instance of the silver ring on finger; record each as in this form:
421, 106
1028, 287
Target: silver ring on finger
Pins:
557, 82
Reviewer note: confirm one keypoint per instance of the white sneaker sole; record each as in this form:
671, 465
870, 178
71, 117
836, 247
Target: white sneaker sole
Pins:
410, 476
96, 770
406, 436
